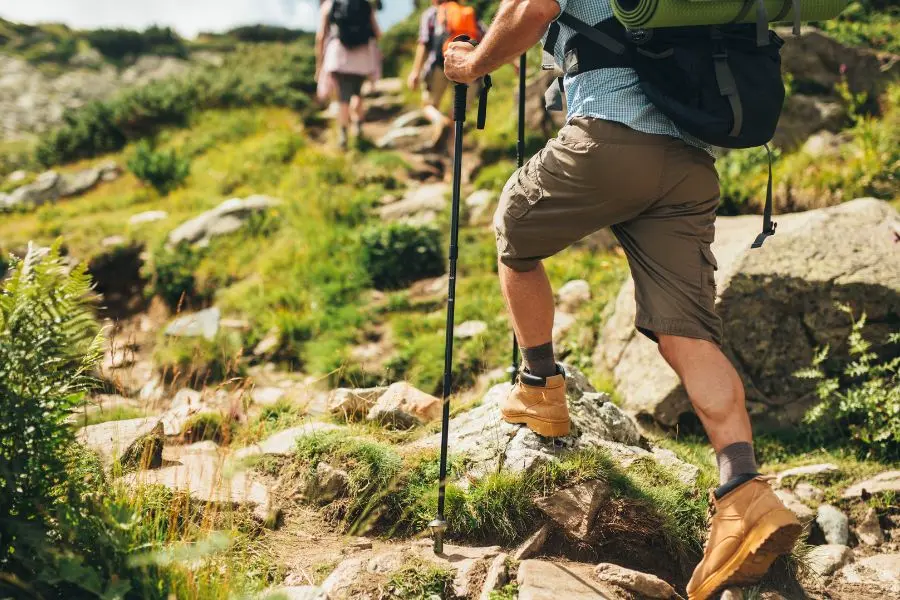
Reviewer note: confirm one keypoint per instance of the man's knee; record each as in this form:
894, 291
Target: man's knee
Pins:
673, 346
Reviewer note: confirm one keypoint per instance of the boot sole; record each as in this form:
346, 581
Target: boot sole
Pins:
539, 426
754, 557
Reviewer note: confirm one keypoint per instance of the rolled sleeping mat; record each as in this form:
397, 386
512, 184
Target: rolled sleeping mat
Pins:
637, 14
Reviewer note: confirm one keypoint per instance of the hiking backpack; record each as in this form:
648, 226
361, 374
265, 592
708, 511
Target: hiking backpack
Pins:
720, 84
451, 20
353, 19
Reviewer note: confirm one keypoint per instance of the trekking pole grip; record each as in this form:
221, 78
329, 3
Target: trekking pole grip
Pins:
461, 92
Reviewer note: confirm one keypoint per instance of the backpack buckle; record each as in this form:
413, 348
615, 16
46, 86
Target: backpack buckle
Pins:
639, 36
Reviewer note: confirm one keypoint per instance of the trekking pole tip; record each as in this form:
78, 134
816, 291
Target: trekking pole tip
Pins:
438, 527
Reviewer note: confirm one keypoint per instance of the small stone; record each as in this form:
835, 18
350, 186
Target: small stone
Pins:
237, 324
17, 176
353, 403
149, 216
881, 571
113, 240
809, 492
200, 324
562, 324
404, 406
804, 513
644, 584
112, 438
733, 593
469, 329
820, 471
497, 576
889, 481
575, 508
343, 577
267, 345
267, 396
869, 529
533, 545
298, 592
834, 524
479, 204
574, 294
825, 560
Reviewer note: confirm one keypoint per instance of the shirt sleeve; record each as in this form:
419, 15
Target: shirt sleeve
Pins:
425, 25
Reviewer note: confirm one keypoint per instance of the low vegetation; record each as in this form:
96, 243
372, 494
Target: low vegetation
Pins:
163, 170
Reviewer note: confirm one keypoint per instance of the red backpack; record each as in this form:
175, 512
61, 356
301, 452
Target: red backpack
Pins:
452, 20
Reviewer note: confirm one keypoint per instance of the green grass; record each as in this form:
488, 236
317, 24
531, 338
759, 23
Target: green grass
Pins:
271, 419
119, 413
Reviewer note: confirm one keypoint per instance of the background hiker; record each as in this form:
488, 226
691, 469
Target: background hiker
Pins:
439, 24
620, 162
346, 55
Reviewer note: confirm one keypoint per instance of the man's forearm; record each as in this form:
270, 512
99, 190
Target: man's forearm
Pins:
518, 25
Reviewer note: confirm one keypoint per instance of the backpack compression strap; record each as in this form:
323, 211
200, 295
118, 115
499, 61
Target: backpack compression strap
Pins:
768, 225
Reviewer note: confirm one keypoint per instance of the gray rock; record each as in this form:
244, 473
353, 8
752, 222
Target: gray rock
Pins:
490, 443
267, 396
339, 582
777, 301
834, 524
732, 593
544, 580
643, 584
146, 452
889, 481
404, 138
226, 218
284, 442
386, 86
17, 176
825, 560
575, 508
267, 345
803, 115
533, 545
823, 144
881, 573
465, 562
149, 216
573, 295
205, 479
411, 119
352, 404
869, 529
816, 472
403, 406
44, 189
430, 198
469, 329
479, 204
296, 592
804, 513
111, 439
327, 484
200, 324
809, 493
497, 576
79, 183
562, 325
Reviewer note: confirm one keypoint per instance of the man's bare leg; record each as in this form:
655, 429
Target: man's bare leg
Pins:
529, 299
714, 387
358, 113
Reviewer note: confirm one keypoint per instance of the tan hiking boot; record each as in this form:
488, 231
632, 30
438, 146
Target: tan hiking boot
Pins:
750, 528
539, 403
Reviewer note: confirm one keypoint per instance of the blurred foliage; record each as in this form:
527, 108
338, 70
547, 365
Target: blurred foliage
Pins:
397, 254
871, 23
164, 170
119, 44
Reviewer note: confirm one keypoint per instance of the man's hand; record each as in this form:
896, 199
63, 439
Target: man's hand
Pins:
459, 63
413, 80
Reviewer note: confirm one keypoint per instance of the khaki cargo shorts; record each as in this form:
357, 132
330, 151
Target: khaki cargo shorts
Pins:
657, 193
436, 86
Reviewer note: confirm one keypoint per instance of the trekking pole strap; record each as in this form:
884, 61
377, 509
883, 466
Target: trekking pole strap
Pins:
486, 85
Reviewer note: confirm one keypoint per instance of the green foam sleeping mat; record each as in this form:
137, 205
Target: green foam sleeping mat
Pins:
636, 14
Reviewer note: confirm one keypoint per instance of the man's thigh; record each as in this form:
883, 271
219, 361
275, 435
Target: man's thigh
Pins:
592, 175
668, 250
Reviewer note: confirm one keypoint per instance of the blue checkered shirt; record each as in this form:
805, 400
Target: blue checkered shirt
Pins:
611, 94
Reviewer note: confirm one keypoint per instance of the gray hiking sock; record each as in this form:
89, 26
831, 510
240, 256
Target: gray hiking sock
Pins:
540, 360
735, 460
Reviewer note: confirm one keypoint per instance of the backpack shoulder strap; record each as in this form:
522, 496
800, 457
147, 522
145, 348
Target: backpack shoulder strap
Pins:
598, 37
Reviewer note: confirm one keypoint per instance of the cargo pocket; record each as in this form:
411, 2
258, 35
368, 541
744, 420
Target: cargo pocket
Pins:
708, 268
524, 189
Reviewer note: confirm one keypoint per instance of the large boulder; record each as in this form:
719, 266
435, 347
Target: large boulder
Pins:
489, 443
404, 406
778, 305
227, 218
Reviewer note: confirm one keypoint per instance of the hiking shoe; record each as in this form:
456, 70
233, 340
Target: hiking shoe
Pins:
539, 403
750, 528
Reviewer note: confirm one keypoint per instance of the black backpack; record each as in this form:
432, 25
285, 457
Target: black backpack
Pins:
353, 19
720, 84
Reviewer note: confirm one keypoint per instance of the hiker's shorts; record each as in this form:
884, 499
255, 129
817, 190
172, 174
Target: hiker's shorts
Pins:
349, 85
657, 193
436, 86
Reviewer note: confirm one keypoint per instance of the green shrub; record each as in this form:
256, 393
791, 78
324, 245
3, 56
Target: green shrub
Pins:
869, 24
864, 401
171, 274
207, 426
164, 170
266, 33
395, 255
418, 579
118, 44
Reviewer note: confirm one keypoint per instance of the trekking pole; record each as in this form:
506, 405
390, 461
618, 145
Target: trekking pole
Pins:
520, 161
439, 525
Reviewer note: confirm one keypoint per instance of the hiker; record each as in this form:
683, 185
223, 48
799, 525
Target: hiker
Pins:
620, 162
443, 21
346, 56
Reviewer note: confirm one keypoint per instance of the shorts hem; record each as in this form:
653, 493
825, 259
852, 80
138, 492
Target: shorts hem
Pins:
652, 327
